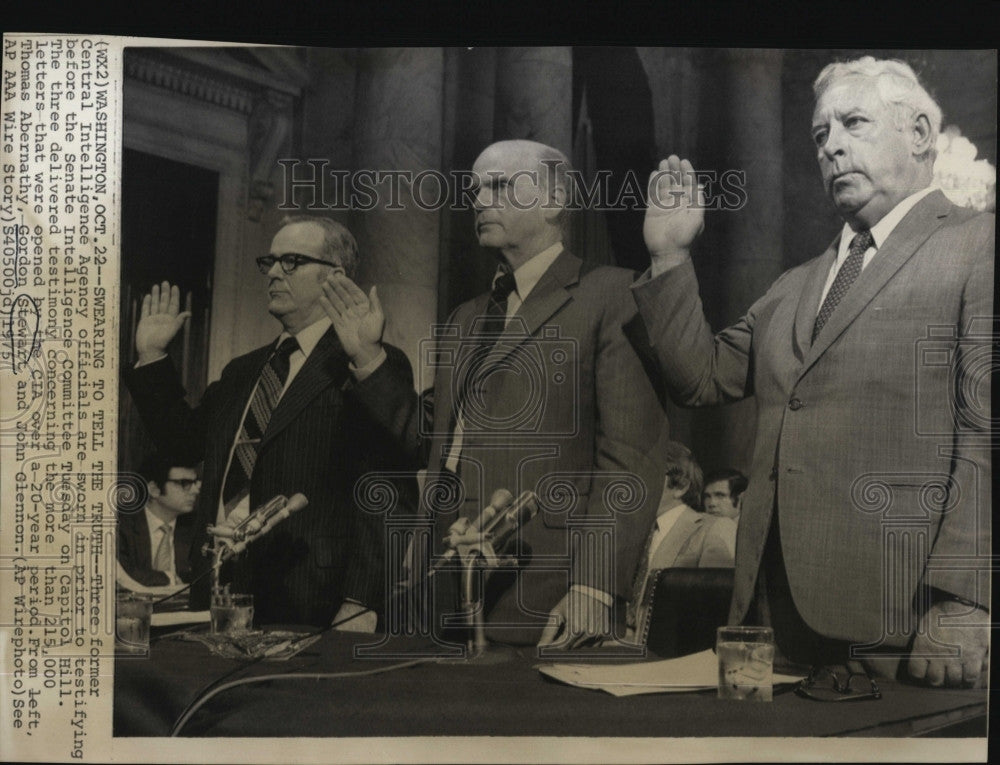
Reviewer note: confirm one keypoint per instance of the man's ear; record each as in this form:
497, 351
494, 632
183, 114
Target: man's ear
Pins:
555, 201
154, 490
921, 135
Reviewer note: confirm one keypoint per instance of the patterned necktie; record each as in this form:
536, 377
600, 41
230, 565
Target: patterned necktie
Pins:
265, 397
845, 278
496, 309
164, 553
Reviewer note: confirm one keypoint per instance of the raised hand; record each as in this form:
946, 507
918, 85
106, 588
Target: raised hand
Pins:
675, 212
357, 318
159, 321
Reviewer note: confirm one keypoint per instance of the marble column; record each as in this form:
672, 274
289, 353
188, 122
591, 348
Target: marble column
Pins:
534, 96
755, 140
398, 127
470, 86
744, 249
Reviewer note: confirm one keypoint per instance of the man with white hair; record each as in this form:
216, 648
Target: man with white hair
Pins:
865, 531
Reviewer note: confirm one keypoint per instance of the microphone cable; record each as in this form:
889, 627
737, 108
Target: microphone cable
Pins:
223, 683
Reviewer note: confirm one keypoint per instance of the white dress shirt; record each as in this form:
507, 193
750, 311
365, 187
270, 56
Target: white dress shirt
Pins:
880, 232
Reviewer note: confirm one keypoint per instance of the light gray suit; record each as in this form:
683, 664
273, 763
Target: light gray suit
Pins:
877, 462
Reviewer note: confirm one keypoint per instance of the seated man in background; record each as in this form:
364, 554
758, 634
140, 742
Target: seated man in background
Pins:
153, 547
681, 536
723, 497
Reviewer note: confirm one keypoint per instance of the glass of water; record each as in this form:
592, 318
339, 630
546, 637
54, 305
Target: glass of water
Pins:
132, 617
746, 662
231, 614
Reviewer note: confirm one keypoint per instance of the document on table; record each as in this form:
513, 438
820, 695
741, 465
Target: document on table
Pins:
174, 618
695, 672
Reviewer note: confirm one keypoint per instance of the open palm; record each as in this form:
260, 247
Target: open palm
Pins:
675, 213
357, 318
159, 321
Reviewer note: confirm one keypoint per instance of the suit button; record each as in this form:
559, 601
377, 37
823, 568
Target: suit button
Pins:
795, 404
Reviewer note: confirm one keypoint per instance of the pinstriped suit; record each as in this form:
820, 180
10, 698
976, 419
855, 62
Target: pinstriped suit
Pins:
876, 486
601, 416
316, 443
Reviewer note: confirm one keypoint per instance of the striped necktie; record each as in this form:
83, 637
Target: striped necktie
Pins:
270, 384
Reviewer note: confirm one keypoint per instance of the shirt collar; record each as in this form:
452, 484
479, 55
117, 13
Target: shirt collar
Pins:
309, 337
528, 275
155, 521
882, 229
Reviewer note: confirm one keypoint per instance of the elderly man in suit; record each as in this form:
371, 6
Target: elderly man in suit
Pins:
858, 431
279, 421
153, 546
538, 388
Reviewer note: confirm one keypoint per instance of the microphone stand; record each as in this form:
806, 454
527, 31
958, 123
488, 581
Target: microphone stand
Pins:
477, 552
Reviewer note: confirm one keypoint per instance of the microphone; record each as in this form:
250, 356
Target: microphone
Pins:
499, 502
504, 525
259, 522
295, 503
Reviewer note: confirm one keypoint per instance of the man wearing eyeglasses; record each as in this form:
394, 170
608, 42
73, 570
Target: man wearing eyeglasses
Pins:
153, 547
278, 421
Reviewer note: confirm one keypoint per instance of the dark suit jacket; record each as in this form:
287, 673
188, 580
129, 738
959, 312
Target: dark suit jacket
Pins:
567, 411
317, 443
136, 557
872, 442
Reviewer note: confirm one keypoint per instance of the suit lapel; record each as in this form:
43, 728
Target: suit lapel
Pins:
326, 365
805, 314
666, 554
911, 232
548, 296
140, 528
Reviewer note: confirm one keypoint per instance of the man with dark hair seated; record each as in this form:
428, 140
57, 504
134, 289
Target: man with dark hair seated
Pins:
723, 498
153, 547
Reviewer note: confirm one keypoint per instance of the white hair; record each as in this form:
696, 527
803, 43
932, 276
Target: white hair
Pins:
897, 86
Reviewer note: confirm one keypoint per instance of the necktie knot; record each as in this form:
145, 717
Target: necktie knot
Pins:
286, 348
503, 285
861, 242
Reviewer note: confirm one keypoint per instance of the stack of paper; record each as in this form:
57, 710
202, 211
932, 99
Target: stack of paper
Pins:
696, 672
174, 618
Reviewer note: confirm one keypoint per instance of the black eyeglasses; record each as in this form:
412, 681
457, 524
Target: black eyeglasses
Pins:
185, 483
826, 684
289, 262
